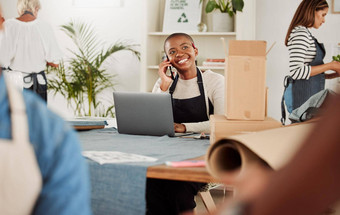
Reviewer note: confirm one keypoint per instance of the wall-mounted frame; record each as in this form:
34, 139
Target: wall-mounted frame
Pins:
335, 6
182, 15
98, 3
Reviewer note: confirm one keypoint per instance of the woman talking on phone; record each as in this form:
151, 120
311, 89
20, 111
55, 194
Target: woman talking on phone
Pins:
195, 96
306, 54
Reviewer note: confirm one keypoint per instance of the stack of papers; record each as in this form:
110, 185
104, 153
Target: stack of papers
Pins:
103, 157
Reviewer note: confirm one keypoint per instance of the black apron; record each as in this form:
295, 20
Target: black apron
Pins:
193, 109
40, 89
186, 110
297, 92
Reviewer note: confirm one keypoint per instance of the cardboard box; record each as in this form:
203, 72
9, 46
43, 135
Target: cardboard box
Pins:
245, 74
221, 127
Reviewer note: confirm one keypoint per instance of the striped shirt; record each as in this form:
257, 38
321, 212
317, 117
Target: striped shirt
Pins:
302, 51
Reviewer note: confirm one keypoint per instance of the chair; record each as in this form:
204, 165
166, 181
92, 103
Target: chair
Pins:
206, 197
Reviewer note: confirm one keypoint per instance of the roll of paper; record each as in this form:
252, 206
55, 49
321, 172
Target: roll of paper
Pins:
231, 156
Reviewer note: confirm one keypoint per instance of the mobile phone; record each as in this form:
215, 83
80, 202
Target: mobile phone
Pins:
170, 68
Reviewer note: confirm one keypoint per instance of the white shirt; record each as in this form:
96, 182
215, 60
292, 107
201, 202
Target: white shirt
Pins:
213, 89
302, 51
27, 46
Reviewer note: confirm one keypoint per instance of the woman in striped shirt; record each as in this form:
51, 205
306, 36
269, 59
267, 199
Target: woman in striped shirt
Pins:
306, 76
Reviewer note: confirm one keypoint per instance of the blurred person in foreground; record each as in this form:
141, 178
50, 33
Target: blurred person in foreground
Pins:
307, 185
42, 170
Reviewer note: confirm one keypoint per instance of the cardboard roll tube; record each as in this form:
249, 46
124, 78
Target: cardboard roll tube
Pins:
230, 157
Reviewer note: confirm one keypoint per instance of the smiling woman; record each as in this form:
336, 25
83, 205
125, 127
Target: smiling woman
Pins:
195, 96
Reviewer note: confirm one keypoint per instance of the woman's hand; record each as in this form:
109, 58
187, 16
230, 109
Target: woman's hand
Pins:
165, 79
335, 66
179, 128
52, 64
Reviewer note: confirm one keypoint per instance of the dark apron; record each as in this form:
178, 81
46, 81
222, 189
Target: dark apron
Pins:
297, 92
190, 110
193, 109
40, 89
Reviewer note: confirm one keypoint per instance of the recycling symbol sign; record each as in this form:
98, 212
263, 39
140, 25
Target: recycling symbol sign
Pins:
183, 18
181, 15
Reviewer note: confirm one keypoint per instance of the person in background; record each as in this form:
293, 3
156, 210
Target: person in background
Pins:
307, 185
195, 96
63, 174
306, 54
27, 45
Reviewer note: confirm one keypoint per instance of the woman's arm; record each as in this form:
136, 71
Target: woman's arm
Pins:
165, 80
197, 127
52, 64
299, 47
334, 65
157, 87
301, 52
216, 93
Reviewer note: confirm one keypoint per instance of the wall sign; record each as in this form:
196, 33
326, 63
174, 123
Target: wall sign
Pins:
336, 6
182, 15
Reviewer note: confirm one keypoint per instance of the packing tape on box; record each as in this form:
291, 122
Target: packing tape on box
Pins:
232, 156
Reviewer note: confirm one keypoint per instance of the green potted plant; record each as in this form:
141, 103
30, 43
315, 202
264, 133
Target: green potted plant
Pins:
225, 6
82, 78
221, 21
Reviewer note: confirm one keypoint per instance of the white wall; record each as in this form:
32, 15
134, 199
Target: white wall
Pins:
272, 21
111, 23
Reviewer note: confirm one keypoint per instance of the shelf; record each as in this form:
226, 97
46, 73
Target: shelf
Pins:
196, 33
208, 43
200, 67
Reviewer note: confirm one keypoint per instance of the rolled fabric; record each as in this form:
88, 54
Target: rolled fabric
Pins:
232, 156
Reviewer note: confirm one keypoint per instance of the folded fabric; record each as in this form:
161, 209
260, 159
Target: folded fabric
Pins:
310, 108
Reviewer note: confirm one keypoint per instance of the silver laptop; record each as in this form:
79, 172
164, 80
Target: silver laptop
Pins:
144, 113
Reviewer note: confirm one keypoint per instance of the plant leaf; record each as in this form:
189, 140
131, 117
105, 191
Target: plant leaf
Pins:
237, 5
211, 5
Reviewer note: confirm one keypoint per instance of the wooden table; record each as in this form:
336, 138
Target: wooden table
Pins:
195, 174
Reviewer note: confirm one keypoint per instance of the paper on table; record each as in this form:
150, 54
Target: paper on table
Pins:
103, 157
